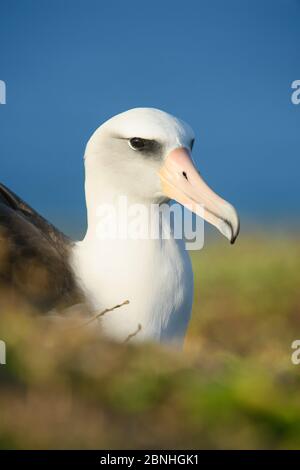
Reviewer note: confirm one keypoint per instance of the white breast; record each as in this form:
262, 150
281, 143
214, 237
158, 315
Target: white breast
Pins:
154, 275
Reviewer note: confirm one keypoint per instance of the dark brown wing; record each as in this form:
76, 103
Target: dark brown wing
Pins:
34, 257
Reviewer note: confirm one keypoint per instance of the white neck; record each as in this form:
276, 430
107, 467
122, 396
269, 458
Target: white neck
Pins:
153, 274
101, 193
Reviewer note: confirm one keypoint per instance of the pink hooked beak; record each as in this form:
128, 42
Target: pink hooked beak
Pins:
182, 182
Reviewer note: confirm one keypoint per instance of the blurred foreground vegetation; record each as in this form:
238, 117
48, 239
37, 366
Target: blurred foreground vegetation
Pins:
234, 386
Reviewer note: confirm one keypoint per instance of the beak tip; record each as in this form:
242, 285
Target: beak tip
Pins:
230, 228
235, 233
232, 241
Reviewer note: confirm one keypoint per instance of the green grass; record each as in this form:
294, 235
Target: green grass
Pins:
234, 386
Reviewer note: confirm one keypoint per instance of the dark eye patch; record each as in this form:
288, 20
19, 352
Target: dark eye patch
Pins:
147, 147
192, 144
144, 145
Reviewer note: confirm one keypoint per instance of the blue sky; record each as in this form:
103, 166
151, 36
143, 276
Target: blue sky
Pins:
226, 67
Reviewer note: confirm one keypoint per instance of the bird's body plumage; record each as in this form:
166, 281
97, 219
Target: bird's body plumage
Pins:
34, 257
155, 275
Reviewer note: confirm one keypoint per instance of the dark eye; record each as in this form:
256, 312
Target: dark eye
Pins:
147, 147
136, 143
192, 144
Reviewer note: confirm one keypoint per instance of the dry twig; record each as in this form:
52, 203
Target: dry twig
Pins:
101, 314
133, 334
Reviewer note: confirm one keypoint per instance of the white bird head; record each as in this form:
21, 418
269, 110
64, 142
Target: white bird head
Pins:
145, 153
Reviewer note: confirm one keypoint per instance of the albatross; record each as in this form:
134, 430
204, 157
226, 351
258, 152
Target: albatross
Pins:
145, 155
